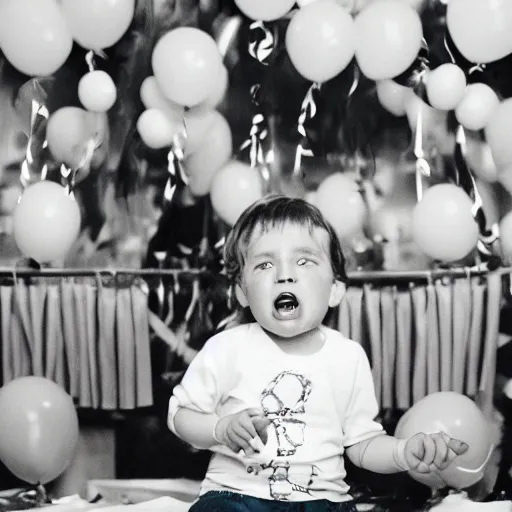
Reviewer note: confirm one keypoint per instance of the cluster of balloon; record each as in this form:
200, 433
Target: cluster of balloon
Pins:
95, 26
459, 417
38, 429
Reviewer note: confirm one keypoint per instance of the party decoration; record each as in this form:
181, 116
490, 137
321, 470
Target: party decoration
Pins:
322, 28
388, 37
68, 131
445, 86
506, 237
497, 133
339, 199
219, 91
199, 122
98, 24
213, 153
481, 29
186, 64
97, 91
157, 131
46, 222
34, 36
460, 418
265, 10
152, 97
38, 429
480, 159
392, 96
443, 224
476, 106
488, 230
234, 188
31, 108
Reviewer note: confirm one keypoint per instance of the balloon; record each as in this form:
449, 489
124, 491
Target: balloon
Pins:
497, 133
481, 29
460, 418
97, 91
218, 93
46, 222
186, 64
392, 96
265, 10
506, 237
445, 86
340, 201
443, 225
98, 24
38, 429
476, 106
69, 129
152, 97
156, 130
34, 36
388, 38
199, 122
234, 188
480, 159
215, 151
320, 40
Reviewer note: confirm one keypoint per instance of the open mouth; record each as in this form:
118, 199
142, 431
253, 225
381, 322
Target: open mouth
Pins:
286, 304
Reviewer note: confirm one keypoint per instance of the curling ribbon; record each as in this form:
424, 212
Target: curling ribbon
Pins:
422, 166
261, 47
457, 58
69, 174
35, 166
90, 58
177, 176
414, 76
464, 178
308, 111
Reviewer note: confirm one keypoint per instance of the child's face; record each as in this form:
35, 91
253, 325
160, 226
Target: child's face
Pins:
287, 280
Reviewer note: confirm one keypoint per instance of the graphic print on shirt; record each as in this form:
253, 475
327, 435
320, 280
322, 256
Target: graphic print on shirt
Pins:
283, 402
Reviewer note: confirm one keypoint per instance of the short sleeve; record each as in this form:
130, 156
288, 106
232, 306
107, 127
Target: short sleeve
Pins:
201, 386
360, 424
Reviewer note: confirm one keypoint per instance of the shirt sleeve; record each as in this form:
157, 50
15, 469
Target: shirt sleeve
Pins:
201, 386
360, 424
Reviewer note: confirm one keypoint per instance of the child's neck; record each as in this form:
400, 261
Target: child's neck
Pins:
303, 344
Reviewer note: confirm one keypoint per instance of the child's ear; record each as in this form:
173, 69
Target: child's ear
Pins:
240, 296
338, 290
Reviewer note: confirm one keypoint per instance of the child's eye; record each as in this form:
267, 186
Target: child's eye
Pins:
304, 261
263, 266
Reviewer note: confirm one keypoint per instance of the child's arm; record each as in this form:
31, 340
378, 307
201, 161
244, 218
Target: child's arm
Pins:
421, 452
236, 431
195, 428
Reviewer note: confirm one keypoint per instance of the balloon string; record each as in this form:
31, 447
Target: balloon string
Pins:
69, 174
177, 176
422, 166
308, 111
90, 60
465, 179
39, 116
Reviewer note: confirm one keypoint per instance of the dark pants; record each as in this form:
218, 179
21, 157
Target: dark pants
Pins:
226, 501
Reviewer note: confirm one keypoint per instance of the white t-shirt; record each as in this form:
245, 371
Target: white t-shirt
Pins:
318, 404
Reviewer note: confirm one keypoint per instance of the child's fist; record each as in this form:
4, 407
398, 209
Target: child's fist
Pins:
242, 431
432, 452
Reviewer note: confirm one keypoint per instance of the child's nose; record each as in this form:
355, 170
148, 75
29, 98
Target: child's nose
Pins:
285, 274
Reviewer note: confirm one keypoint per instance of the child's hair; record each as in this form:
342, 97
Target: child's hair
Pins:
273, 211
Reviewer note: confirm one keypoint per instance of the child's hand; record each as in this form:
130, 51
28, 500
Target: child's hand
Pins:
240, 431
432, 452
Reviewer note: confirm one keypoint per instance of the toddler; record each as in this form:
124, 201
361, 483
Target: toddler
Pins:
281, 401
